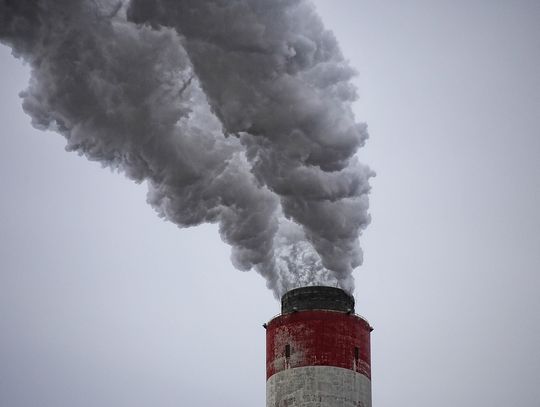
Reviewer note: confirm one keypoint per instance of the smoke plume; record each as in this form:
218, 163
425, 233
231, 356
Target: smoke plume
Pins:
235, 112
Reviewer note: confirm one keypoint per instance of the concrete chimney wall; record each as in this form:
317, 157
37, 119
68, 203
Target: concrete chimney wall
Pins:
318, 351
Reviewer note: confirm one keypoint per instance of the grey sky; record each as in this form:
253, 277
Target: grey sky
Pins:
102, 303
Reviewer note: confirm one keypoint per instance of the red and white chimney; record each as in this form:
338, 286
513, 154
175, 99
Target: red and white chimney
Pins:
318, 351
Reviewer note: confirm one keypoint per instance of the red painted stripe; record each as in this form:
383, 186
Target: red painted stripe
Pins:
318, 338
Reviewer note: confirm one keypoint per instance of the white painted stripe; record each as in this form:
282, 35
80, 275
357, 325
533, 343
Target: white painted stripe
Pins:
318, 386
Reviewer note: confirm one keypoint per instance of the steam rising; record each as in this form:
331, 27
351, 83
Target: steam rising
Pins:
236, 112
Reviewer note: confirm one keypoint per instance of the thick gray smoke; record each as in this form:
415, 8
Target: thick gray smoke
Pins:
234, 112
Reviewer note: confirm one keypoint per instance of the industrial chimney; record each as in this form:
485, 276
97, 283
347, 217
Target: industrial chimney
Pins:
318, 351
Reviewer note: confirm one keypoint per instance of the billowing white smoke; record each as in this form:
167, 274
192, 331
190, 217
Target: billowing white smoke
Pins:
235, 112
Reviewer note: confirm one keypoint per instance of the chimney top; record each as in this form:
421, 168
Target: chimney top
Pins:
317, 298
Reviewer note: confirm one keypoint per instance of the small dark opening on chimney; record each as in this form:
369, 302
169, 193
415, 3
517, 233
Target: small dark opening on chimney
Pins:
287, 351
356, 353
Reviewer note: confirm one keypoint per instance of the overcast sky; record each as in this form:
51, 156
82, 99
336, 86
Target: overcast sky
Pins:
104, 304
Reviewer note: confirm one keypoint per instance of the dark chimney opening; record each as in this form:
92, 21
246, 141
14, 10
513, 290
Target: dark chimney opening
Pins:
317, 298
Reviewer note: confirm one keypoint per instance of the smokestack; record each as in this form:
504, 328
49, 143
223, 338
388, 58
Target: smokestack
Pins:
318, 351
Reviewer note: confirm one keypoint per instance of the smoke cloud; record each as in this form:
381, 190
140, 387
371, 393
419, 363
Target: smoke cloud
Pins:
235, 112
